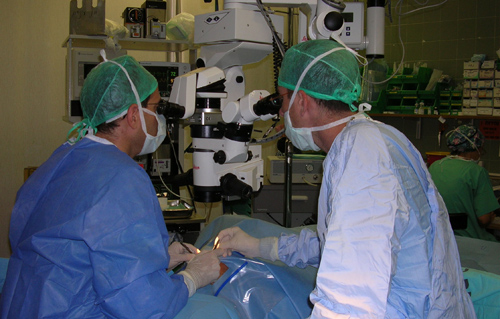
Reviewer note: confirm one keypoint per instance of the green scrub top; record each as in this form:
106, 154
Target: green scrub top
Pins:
466, 188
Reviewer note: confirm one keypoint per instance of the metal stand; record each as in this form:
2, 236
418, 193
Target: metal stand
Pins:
287, 212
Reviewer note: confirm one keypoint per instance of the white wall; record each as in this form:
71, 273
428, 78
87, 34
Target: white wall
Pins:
32, 87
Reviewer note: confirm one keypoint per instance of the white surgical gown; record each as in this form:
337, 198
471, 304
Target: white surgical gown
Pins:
387, 248
89, 241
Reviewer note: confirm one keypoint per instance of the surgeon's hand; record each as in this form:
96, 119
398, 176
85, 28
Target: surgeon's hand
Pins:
235, 239
202, 270
180, 252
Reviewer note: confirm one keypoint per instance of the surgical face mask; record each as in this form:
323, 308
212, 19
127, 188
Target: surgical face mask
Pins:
151, 143
302, 137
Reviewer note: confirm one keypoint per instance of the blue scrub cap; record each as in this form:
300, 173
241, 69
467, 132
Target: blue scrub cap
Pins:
334, 77
465, 138
107, 92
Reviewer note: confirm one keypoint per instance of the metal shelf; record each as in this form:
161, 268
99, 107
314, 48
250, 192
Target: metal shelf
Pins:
127, 43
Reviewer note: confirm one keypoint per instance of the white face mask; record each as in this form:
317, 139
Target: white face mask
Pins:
302, 137
151, 143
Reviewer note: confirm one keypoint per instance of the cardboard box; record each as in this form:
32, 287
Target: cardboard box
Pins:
485, 84
497, 74
496, 92
485, 103
485, 93
487, 74
484, 111
497, 83
496, 102
490, 64
496, 112
469, 111
471, 65
466, 103
471, 74
473, 102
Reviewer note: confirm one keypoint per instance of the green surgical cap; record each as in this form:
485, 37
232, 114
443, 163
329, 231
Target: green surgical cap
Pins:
107, 93
334, 77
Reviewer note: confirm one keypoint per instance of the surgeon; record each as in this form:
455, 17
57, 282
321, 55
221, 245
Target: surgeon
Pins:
384, 247
87, 231
464, 185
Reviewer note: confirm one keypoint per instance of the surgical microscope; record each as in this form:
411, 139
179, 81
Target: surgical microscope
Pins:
211, 99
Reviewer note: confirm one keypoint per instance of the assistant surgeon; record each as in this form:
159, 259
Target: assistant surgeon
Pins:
87, 231
384, 247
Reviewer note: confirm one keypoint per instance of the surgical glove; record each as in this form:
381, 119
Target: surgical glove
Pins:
202, 270
235, 239
180, 252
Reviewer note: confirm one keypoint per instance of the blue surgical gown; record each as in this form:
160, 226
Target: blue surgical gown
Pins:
386, 245
89, 241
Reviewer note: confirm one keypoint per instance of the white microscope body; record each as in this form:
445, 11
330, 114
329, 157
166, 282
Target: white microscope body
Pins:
213, 96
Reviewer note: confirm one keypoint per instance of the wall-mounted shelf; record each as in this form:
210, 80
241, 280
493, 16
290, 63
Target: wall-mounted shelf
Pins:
127, 43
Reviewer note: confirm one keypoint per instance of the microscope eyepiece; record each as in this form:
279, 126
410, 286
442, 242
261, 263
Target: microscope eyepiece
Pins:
271, 104
170, 110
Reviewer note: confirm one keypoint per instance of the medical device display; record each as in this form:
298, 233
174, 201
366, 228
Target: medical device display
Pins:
80, 62
83, 60
165, 73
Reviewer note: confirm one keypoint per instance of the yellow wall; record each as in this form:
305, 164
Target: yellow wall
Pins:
33, 86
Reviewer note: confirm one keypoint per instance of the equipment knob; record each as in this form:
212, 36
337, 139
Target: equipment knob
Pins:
220, 157
333, 21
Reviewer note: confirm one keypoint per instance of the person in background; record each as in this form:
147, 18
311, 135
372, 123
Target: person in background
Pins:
87, 231
384, 247
464, 185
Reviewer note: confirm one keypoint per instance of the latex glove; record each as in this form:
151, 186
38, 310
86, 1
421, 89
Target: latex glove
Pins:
178, 253
235, 239
202, 270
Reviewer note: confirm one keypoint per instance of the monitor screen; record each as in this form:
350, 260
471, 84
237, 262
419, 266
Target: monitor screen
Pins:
83, 60
165, 73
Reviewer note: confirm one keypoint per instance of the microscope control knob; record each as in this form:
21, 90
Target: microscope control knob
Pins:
220, 157
333, 21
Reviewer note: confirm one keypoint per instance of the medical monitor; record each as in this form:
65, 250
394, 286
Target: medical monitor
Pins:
80, 62
165, 73
83, 60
